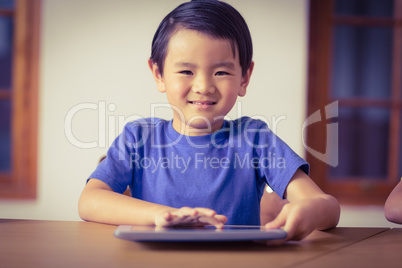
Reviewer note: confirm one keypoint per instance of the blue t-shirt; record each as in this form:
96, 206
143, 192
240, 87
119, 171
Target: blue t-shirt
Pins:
226, 171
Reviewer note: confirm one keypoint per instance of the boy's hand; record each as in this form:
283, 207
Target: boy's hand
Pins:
190, 217
308, 209
297, 219
294, 221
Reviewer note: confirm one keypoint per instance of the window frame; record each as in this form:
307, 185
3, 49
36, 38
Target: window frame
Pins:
21, 181
322, 21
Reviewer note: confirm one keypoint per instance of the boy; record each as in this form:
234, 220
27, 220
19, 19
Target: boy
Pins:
199, 168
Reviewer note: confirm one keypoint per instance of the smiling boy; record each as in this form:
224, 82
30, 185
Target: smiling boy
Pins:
202, 79
202, 60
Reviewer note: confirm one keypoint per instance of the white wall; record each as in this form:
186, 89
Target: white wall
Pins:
94, 52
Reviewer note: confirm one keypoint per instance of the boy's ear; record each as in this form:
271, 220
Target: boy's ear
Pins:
157, 76
245, 80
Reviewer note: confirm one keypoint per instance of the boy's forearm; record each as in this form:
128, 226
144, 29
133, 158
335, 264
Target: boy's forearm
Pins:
105, 206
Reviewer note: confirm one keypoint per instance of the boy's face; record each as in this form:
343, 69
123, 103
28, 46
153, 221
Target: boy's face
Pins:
202, 79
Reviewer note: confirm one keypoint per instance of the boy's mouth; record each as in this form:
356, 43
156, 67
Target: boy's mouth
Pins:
202, 103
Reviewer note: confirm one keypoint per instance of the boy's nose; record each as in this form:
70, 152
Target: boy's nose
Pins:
203, 85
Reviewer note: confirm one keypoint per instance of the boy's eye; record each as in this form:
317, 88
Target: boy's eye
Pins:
186, 72
220, 73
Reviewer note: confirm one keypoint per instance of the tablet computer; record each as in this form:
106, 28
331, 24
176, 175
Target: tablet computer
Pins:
197, 234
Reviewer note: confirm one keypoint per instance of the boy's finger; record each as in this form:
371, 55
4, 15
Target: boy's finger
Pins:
206, 211
186, 211
212, 221
167, 216
222, 218
278, 222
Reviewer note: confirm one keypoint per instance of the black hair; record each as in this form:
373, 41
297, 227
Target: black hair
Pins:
213, 18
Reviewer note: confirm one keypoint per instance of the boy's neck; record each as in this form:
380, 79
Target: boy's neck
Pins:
189, 130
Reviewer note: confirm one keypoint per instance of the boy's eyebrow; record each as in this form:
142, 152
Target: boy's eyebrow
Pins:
225, 64
185, 64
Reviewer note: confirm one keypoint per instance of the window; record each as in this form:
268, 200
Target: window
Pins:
355, 58
19, 46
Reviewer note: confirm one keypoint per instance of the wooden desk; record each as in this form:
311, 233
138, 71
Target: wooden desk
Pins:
83, 244
381, 250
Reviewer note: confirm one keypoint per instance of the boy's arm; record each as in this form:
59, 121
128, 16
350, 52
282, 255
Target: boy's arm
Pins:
309, 208
393, 205
99, 203
270, 206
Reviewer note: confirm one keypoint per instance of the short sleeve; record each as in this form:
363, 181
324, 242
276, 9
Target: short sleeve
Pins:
277, 161
116, 169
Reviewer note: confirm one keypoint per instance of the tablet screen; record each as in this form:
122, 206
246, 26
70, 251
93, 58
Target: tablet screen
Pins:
207, 233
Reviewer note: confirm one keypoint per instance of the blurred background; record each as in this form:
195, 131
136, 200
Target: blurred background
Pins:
72, 73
